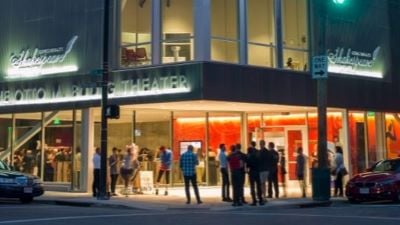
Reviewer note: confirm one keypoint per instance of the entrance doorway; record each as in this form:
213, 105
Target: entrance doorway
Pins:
287, 140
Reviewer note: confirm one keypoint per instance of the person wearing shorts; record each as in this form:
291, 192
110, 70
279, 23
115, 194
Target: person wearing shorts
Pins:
165, 168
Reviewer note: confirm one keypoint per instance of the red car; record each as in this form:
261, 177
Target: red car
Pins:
380, 182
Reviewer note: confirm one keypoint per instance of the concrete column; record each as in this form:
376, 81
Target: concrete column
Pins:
202, 30
87, 149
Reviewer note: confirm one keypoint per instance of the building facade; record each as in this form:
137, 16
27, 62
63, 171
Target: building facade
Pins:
199, 72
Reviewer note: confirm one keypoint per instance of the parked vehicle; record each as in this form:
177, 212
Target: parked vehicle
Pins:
380, 182
19, 185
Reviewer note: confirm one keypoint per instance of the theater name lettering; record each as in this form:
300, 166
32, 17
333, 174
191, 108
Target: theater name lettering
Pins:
64, 92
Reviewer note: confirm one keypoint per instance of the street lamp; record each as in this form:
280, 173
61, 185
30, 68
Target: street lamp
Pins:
339, 2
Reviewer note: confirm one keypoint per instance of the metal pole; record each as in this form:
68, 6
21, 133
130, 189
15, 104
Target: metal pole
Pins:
104, 97
321, 175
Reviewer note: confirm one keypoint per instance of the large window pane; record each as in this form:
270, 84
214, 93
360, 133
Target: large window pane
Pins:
223, 128
152, 130
6, 133
189, 128
225, 51
177, 28
224, 34
295, 33
372, 148
392, 130
260, 55
27, 143
59, 141
261, 27
135, 32
295, 60
261, 32
357, 131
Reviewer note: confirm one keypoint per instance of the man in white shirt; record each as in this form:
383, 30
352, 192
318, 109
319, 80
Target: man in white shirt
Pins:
96, 172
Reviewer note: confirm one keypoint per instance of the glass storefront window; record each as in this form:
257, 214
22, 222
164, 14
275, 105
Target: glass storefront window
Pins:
177, 30
372, 139
392, 130
295, 38
6, 141
357, 137
152, 129
222, 128
224, 33
58, 147
27, 143
189, 128
261, 32
335, 136
135, 33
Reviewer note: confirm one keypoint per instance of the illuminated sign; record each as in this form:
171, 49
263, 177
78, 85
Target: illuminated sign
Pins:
348, 61
57, 92
37, 62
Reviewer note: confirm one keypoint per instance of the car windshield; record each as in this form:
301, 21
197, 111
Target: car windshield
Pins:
3, 166
387, 166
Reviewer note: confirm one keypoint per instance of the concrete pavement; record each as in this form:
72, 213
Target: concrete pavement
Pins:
176, 200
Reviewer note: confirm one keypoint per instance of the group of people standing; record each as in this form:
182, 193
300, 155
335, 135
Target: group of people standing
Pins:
126, 165
261, 166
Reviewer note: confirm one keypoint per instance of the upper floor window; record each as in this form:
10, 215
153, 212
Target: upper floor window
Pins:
224, 31
295, 38
135, 32
261, 32
177, 30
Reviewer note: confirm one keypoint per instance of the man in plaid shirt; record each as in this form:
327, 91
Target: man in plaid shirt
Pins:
188, 163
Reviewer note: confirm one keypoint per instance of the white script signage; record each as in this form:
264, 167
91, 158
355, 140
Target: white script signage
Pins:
35, 62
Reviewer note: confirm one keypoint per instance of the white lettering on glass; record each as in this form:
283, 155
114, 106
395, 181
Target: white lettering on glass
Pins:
36, 62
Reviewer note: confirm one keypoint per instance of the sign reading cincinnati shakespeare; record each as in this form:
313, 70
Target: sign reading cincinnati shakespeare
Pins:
72, 90
348, 61
36, 62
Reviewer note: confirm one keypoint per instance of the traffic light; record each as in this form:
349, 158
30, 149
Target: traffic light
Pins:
339, 2
112, 111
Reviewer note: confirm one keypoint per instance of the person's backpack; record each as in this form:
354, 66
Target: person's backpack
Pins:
235, 162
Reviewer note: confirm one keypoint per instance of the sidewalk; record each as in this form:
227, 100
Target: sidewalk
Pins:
176, 201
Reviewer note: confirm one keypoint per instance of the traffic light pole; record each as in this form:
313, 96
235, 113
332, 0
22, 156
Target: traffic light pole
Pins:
104, 101
321, 175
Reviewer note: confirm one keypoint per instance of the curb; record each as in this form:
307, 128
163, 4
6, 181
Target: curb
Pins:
88, 204
311, 204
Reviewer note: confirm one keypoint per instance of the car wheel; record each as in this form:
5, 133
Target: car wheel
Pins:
397, 197
26, 200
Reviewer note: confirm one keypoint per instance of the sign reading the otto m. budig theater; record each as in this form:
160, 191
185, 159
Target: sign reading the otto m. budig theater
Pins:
160, 82
30, 62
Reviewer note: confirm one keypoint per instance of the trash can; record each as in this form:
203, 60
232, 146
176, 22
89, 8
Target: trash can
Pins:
321, 184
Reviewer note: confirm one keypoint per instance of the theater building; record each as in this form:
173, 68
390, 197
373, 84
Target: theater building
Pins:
200, 72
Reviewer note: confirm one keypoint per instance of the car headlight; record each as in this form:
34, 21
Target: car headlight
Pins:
37, 181
21, 181
7, 180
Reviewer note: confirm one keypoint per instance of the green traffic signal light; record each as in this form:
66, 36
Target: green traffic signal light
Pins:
339, 2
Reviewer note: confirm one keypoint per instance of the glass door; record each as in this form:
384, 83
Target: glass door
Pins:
295, 137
